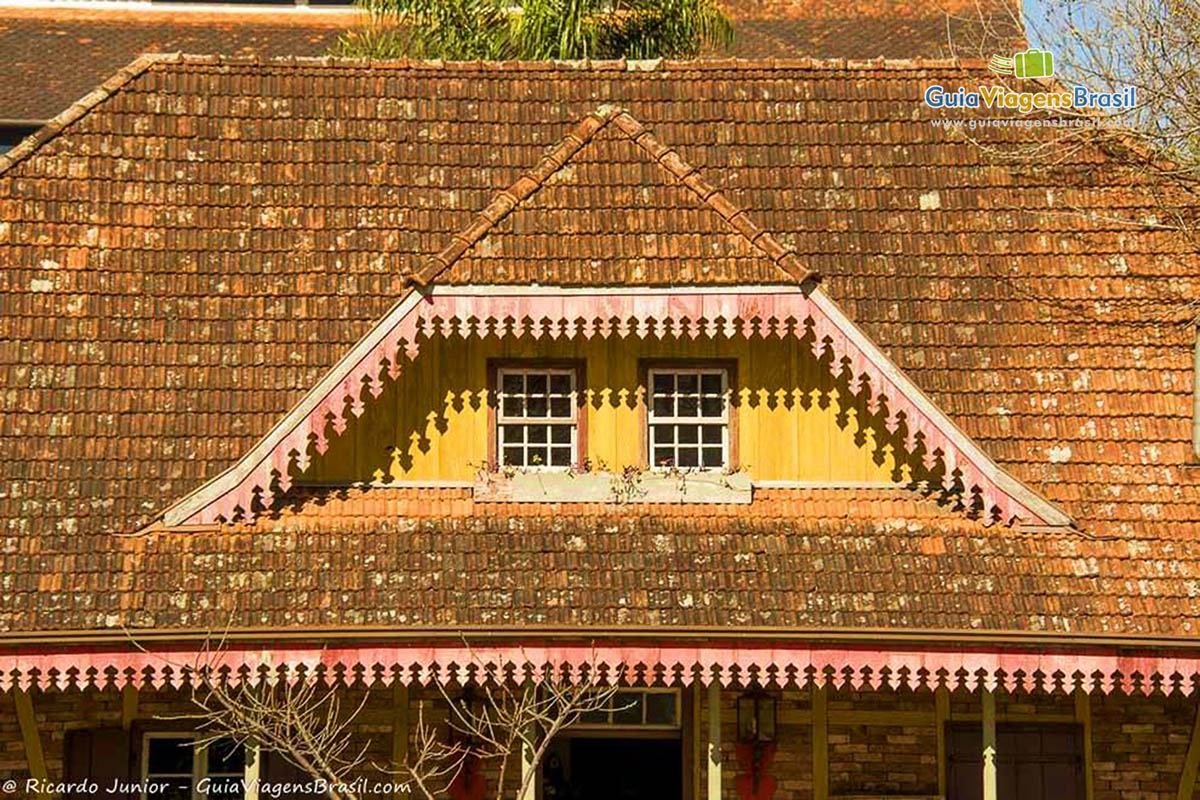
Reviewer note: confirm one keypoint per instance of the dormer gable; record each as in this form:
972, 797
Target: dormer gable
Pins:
614, 252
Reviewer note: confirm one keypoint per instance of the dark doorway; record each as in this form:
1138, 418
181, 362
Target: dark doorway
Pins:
603, 768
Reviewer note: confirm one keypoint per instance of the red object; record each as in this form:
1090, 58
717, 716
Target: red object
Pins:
470, 783
753, 781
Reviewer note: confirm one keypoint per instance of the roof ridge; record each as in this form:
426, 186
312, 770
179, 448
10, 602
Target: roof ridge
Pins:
664, 156
508, 199
669, 159
621, 64
83, 105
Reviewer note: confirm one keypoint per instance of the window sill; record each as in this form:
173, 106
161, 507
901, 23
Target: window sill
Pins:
606, 487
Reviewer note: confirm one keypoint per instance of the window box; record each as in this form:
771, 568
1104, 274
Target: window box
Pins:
606, 487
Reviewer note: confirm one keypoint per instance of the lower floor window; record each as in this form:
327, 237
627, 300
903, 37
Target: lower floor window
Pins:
185, 771
1033, 762
636, 708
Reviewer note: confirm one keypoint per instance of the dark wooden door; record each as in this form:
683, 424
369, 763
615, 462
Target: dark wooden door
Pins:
1033, 762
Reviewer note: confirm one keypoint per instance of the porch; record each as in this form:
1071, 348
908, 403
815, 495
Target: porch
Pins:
734, 732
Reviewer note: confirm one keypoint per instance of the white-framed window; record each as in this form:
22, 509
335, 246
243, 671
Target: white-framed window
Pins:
689, 418
537, 417
645, 708
172, 760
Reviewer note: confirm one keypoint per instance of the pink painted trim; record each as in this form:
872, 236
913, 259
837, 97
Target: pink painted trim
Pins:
861, 668
642, 315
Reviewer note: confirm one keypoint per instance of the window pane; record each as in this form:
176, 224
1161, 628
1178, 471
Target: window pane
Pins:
560, 434
535, 383
689, 406
663, 407
660, 708
664, 457
560, 457
711, 383
594, 717
712, 434
712, 457
514, 407
225, 755
512, 457
689, 457
711, 406
513, 434
170, 755
688, 384
537, 407
537, 434
513, 383
664, 434
664, 383
627, 708
537, 457
560, 384
560, 407
689, 434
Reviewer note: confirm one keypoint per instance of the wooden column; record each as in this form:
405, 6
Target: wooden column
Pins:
129, 705
989, 746
1191, 764
697, 741
29, 736
253, 770
527, 768
820, 741
1083, 715
399, 732
714, 740
941, 715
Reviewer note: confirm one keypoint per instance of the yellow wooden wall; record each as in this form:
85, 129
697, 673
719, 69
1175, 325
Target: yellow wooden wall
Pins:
431, 424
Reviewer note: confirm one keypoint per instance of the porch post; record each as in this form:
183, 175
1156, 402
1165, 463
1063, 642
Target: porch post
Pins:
1083, 715
697, 741
820, 741
941, 699
399, 730
1191, 763
989, 746
129, 705
714, 739
253, 770
30, 738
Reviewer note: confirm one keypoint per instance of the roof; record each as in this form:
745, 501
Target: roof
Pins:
191, 250
831, 558
52, 56
553, 225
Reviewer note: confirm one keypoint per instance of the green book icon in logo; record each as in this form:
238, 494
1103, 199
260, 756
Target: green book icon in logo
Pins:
1034, 64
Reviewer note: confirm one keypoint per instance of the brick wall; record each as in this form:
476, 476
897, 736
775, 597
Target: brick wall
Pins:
889, 759
1138, 743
